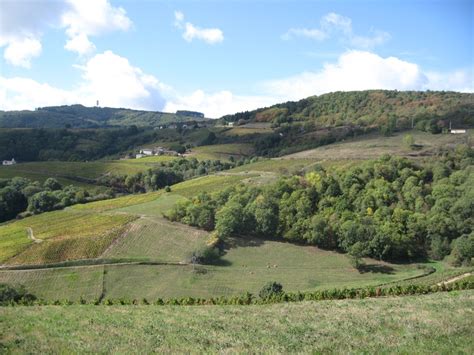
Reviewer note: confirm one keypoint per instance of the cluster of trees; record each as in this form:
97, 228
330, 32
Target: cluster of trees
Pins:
391, 209
71, 145
20, 196
165, 174
78, 116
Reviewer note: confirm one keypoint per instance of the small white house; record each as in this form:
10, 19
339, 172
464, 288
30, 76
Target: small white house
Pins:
458, 131
147, 151
138, 156
9, 162
230, 124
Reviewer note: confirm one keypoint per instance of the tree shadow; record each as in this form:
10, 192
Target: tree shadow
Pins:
241, 242
376, 268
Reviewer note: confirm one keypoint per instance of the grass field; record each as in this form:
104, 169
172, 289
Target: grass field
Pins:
374, 145
438, 323
246, 266
157, 240
222, 151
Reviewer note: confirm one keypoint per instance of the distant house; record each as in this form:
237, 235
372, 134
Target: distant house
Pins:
147, 152
138, 156
458, 131
9, 162
230, 124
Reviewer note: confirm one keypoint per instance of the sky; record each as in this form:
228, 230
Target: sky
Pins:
224, 56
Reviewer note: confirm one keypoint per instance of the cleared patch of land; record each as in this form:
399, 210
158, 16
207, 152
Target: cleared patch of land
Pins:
157, 240
374, 145
222, 151
436, 323
59, 283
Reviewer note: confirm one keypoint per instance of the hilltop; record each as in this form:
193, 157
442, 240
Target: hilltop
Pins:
319, 120
78, 116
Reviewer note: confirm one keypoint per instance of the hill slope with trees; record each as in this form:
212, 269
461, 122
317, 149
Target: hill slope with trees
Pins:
78, 116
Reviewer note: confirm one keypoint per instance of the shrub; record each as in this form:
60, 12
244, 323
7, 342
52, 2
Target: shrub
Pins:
167, 188
10, 294
271, 289
206, 255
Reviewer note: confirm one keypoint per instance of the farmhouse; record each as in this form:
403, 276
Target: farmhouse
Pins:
9, 162
458, 131
147, 151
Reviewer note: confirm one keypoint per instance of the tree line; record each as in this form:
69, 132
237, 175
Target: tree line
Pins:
389, 209
23, 197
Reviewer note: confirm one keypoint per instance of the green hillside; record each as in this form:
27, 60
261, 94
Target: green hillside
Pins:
437, 323
319, 120
78, 116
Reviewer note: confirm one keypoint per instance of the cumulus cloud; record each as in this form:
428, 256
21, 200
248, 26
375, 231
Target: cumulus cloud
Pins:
23, 23
106, 77
361, 70
217, 104
191, 32
333, 24
91, 18
20, 52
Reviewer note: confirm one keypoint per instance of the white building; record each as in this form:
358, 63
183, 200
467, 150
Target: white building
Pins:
9, 162
147, 151
458, 131
138, 156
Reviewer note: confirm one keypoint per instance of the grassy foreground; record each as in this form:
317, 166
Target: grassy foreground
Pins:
440, 323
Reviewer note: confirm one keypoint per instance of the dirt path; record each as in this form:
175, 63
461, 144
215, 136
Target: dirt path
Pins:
32, 236
454, 279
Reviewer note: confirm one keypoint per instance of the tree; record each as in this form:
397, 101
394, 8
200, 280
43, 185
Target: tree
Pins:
42, 202
270, 289
229, 219
52, 184
463, 250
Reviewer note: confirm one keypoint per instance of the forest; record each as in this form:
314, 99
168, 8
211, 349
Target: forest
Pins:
389, 209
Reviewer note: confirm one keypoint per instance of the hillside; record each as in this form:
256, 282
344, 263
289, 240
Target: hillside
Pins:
78, 116
319, 120
437, 323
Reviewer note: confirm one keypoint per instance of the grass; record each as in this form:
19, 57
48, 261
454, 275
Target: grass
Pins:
157, 240
246, 266
72, 282
13, 240
209, 183
222, 151
436, 323
155, 207
373, 146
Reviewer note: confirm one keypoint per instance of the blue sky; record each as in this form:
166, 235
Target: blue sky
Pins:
225, 56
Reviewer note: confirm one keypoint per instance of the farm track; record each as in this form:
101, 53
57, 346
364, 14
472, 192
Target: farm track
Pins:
454, 279
32, 236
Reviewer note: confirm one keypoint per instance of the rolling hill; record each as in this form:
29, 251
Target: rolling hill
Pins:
78, 116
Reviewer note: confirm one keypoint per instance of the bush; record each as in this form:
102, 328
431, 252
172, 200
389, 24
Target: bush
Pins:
10, 295
271, 289
167, 188
206, 255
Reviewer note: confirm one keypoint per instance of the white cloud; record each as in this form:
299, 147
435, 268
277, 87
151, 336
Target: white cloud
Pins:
191, 32
80, 44
21, 51
91, 18
333, 24
106, 77
217, 104
23, 23
361, 70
